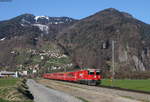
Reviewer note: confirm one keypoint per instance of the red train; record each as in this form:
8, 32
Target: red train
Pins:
89, 76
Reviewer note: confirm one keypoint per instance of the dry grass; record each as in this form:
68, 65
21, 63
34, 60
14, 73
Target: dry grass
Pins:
9, 90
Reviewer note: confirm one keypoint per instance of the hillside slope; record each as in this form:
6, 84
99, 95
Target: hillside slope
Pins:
28, 41
89, 42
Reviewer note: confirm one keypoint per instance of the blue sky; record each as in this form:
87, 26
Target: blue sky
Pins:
78, 9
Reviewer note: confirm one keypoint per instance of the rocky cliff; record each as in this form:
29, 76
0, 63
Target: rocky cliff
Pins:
89, 41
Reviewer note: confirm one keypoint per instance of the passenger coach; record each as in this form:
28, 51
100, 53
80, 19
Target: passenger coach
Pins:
88, 76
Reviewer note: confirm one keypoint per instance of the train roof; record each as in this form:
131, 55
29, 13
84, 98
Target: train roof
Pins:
74, 71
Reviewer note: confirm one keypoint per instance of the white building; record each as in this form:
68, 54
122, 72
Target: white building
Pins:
8, 74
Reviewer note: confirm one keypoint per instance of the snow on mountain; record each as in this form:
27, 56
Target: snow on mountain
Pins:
2, 39
42, 27
22, 25
56, 22
44, 22
37, 17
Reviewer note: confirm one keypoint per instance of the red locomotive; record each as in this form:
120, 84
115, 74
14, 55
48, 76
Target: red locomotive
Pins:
88, 76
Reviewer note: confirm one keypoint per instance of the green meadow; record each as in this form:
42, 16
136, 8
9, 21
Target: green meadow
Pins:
6, 82
143, 85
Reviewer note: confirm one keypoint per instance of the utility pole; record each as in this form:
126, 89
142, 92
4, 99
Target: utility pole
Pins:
64, 69
113, 60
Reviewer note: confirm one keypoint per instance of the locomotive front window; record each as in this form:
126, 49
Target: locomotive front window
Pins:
91, 73
97, 73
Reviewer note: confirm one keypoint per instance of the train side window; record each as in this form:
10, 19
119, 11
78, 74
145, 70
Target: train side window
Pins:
70, 74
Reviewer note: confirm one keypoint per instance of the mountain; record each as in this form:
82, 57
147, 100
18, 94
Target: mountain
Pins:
89, 42
28, 23
25, 34
54, 43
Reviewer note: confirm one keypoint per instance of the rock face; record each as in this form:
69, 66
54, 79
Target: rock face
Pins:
89, 41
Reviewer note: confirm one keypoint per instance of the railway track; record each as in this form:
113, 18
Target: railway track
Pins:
131, 94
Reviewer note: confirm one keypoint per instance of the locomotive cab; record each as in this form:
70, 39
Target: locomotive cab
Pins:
94, 76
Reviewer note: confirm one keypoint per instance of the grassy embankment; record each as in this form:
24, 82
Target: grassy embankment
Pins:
142, 85
13, 90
